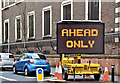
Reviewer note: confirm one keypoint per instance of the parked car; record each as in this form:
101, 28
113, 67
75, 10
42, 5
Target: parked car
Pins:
6, 60
29, 62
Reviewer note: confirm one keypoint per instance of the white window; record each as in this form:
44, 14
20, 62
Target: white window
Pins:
117, 29
116, 40
6, 3
47, 22
117, 1
18, 28
31, 25
93, 10
6, 30
117, 19
67, 10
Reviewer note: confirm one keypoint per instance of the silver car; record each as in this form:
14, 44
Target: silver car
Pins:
6, 60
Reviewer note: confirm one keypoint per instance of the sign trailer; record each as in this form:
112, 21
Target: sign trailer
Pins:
80, 37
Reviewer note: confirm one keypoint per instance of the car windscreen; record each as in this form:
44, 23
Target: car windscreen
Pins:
38, 57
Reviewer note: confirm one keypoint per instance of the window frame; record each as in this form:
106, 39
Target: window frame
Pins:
16, 18
17, 1
48, 8
64, 3
29, 14
4, 3
7, 21
86, 11
117, 1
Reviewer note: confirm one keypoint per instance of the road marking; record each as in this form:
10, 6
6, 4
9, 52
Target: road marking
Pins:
30, 77
7, 78
5, 72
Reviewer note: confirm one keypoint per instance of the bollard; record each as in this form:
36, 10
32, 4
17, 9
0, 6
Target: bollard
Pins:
112, 77
40, 74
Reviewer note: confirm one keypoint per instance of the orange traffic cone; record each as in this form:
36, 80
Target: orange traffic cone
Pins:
60, 72
56, 70
106, 78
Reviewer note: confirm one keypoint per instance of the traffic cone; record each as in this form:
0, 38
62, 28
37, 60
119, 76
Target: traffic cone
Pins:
56, 70
60, 72
106, 78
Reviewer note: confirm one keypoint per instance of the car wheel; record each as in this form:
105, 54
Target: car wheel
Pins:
14, 70
26, 71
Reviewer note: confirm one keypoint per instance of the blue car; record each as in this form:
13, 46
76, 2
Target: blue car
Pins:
29, 62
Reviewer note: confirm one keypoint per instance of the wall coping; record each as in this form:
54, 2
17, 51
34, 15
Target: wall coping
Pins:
86, 56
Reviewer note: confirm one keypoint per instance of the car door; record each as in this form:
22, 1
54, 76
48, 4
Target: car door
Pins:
11, 59
21, 62
18, 63
5, 59
24, 61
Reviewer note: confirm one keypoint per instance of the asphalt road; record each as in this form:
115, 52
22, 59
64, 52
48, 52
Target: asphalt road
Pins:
7, 76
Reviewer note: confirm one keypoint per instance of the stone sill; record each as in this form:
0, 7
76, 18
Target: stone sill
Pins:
86, 56
99, 56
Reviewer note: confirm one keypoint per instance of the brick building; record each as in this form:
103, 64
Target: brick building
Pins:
31, 26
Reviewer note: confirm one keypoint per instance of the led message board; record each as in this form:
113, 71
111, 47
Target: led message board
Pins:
80, 37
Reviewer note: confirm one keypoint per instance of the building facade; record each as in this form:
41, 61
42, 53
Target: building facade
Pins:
31, 26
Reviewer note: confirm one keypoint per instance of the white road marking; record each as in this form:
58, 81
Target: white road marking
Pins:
5, 72
30, 77
7, 78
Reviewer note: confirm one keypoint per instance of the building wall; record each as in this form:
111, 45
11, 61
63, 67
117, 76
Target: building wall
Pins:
107, 16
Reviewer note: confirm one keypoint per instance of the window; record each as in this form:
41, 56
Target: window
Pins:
31, 24
25, 57
67, 10
17, 0
18, 28
6, 30
11, 56
116, 40
38, 57
47, 21
93, 9
6, 3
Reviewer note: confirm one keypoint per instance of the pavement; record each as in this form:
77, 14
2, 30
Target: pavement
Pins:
7, 76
